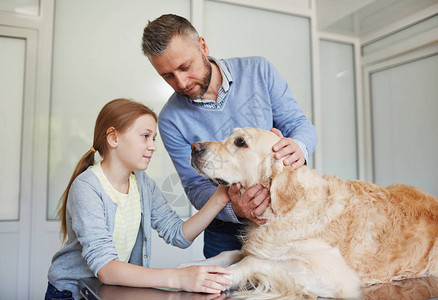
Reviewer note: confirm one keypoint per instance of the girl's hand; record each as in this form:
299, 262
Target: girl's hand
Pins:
221, 195
197, 223
203, 279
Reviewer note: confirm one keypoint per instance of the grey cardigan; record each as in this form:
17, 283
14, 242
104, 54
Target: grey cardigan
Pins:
90, 224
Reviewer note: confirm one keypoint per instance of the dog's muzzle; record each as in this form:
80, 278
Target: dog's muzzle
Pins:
199, 163
196, 160
197, 149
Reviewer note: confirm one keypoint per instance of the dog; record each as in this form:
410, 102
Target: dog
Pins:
323, 236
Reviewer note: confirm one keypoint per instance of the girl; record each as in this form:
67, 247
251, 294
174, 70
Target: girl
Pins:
108, 209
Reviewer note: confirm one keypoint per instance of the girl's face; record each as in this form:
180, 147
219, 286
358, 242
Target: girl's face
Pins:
136, 146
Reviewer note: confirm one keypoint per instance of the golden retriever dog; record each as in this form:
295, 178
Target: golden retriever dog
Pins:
324, 236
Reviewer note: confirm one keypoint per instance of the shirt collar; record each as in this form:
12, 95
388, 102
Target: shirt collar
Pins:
226, 75
226, 78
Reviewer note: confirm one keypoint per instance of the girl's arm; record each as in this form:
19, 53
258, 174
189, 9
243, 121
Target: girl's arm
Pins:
197, 223
203, 279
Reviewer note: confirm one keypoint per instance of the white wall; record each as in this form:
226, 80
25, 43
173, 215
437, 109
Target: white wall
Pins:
251, 32
338, 97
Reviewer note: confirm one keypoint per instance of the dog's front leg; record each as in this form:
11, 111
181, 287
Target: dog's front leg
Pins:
251, 269
254, 277
223, 259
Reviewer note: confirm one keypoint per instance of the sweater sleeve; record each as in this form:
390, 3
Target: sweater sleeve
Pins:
87, 212
288, 117
198, 189
163, 219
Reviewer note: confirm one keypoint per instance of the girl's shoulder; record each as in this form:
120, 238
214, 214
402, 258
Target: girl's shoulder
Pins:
87, 191
87, 180
87, 176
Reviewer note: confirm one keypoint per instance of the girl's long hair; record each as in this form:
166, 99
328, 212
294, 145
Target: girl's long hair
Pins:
119, 114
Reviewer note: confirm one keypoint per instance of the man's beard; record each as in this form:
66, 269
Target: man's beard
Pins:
204, 83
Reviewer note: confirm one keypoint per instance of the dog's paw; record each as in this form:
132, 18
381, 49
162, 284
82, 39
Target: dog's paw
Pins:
230, 277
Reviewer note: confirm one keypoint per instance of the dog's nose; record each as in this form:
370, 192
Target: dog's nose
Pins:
197, 148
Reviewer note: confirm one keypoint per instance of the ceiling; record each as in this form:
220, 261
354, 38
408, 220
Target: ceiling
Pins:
359, 18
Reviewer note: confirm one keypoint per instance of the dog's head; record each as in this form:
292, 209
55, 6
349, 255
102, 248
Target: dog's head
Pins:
246, 156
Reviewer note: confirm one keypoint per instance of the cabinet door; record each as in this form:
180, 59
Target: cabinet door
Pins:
404, 107
17, 80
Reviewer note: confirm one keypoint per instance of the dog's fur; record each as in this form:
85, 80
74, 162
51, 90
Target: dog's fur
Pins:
323, 236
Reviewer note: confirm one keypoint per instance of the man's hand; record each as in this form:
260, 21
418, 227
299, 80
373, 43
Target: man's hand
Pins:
286, 147
252, 204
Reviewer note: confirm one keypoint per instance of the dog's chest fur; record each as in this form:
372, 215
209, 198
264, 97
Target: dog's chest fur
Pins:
308, 218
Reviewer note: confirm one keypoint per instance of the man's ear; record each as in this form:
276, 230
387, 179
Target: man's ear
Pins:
204, 47
111, 137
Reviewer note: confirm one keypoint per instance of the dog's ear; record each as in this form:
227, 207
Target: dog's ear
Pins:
277, 166
267, 168
285, 189
265, 171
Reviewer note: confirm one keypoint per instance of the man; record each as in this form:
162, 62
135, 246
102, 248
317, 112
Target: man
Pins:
211, 98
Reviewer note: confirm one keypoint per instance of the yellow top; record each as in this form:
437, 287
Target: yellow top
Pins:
128, 213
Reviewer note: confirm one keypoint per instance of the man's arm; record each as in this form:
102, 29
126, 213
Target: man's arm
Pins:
299, 133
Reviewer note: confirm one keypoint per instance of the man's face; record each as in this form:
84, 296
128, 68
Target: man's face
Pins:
185, 67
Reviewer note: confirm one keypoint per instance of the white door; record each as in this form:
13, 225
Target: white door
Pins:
17, 85
404, 108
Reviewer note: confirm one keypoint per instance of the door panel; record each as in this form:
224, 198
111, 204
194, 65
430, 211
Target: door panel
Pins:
12, 61
17, 61
338, 99
404, 109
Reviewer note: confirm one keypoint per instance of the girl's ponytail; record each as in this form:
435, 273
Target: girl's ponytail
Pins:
86, 161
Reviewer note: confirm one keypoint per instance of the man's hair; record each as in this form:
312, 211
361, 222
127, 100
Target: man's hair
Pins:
158, 33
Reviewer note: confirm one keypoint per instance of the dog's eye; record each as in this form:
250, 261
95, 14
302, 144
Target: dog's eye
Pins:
239, 142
